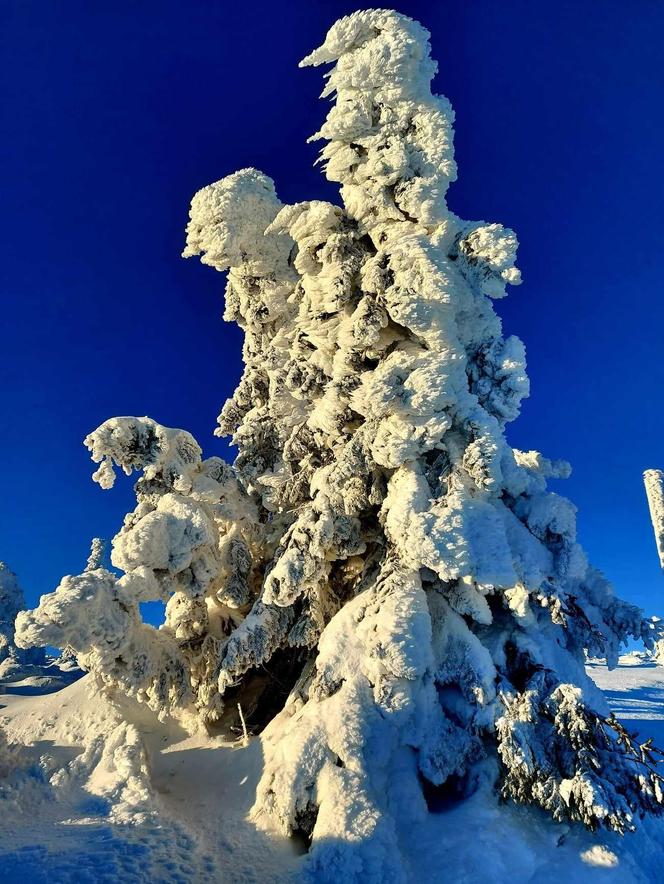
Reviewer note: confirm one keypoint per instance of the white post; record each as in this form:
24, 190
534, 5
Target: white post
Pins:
654, 482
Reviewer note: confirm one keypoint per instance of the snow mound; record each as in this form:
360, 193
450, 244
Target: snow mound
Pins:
91, 790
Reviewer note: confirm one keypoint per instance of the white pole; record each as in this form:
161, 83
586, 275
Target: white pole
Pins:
654, 482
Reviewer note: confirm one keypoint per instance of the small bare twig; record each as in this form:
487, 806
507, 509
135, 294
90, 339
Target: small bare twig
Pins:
245, 734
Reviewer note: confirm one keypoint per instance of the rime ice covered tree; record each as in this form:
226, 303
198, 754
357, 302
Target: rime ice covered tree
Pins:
377, 552
12, 601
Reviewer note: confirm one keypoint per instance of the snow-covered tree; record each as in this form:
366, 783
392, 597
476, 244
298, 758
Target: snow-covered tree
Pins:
97, 554
378, 552
11, 602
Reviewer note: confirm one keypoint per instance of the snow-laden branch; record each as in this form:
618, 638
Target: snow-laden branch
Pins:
189, 542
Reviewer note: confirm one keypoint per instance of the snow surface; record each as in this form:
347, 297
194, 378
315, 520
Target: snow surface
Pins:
89, 797
85, 796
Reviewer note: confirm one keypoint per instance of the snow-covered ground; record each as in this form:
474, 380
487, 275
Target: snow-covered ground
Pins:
87, 797
89, 800
483, 841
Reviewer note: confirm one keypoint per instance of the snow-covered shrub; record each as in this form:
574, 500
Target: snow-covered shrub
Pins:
377, 550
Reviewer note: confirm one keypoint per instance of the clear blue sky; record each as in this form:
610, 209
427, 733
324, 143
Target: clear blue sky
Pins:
113, 114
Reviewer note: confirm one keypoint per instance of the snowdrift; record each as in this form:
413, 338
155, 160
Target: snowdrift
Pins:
87, 797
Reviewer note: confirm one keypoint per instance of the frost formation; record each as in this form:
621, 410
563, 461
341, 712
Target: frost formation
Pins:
380, 578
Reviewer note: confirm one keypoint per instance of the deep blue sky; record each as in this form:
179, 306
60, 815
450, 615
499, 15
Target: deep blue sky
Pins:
114, 114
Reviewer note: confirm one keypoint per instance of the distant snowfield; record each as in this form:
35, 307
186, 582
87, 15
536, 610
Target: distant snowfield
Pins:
89, 798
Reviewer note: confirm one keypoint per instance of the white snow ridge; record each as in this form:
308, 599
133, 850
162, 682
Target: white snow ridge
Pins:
379, 588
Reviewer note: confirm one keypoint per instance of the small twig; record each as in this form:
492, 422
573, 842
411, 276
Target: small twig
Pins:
245, 737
